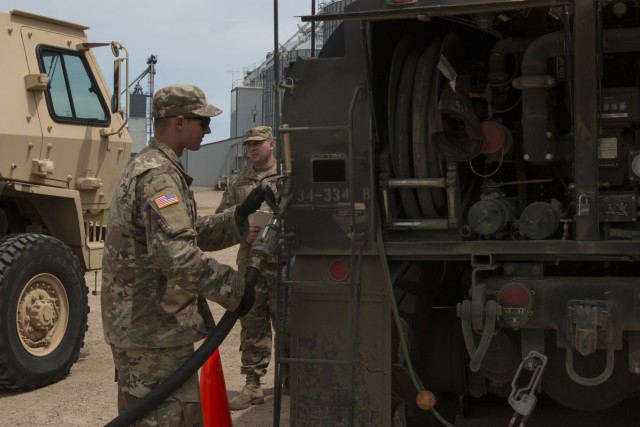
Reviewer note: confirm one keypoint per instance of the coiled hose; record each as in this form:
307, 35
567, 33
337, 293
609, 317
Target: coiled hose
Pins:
186, 370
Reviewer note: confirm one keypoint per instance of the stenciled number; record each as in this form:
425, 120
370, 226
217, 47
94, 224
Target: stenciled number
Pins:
329, 195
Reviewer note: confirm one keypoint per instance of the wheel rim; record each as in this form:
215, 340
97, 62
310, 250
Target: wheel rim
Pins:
42, 314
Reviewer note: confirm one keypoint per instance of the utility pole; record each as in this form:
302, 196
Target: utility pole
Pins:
276, 79
313, 29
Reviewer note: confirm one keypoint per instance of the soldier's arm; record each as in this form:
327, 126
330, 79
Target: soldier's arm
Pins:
171, 243
221, 230
226, 196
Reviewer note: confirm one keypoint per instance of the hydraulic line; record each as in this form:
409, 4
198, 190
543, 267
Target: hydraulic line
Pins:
396, 315
186, 370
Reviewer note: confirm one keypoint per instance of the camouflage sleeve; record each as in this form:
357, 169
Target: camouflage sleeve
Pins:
225, 202
220, 231
230, 199
171, 243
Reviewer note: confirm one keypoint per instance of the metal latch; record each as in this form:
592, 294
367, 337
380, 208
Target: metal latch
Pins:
524, 399
584, 208
465, 311
88, 182
586, 320
36, 82
42, 167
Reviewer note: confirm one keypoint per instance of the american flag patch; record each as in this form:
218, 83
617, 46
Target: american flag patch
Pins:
166, 200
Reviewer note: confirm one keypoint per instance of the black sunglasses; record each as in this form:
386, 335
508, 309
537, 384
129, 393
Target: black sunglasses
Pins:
204, 121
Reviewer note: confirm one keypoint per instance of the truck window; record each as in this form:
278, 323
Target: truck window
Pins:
72, 95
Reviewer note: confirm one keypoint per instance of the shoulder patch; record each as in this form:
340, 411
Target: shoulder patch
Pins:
165, 200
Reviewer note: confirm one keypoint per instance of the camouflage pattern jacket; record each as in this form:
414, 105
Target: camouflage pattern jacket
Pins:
154, 271
239, 187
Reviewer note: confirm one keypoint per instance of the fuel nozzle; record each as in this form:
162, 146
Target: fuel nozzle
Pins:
263, 248
266, 244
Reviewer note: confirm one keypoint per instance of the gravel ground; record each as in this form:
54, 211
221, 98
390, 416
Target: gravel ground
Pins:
87, 397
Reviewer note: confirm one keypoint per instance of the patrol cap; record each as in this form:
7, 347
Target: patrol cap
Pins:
258, 133
182, 99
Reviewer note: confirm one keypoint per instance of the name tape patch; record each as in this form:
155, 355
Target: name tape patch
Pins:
166, 200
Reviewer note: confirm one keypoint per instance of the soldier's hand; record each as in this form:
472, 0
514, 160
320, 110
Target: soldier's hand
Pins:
252, 202
249, 296
253, 234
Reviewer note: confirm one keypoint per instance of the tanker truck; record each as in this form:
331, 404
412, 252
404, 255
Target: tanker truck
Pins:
464, 218
63, 144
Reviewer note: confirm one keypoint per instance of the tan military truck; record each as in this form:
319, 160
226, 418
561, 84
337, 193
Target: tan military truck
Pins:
63, 144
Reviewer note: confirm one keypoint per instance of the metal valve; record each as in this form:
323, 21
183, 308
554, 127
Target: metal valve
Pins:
266, 245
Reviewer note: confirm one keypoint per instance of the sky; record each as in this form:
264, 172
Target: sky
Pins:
204, 42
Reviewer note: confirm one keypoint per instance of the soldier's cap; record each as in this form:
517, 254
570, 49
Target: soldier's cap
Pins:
181, 100
258, 133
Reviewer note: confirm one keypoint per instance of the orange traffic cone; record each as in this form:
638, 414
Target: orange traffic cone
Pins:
213, 394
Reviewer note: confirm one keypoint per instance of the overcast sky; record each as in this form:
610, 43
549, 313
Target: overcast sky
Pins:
204, 42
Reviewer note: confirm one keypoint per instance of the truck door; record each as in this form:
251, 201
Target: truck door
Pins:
72, 110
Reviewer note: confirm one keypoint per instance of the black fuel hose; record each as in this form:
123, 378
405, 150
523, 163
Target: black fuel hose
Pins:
186, 370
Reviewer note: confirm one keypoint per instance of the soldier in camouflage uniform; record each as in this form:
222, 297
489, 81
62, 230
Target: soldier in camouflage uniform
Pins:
255, 333
155, 276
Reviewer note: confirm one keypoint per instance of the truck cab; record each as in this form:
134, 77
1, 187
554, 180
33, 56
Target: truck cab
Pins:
63, 144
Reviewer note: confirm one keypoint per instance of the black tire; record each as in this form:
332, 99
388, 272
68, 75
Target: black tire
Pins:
39, 342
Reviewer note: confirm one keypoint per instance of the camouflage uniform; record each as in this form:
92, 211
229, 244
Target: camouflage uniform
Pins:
255, 333
155, 276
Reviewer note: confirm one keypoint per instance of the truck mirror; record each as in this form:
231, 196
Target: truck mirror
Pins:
115, 98
119, 88
115, 49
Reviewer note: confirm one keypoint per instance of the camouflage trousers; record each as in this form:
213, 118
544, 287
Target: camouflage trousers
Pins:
256, 337
139, 370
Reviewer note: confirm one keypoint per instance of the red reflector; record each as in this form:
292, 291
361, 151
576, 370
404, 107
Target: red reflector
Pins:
494, 136
338, 270
514, 295
398, 1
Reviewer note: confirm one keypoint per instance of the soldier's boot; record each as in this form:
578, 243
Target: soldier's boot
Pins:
251, 394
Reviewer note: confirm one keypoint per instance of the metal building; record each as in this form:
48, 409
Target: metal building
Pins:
332, 7
220, 158
137, 123
140, 121
307, 41
246, 109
